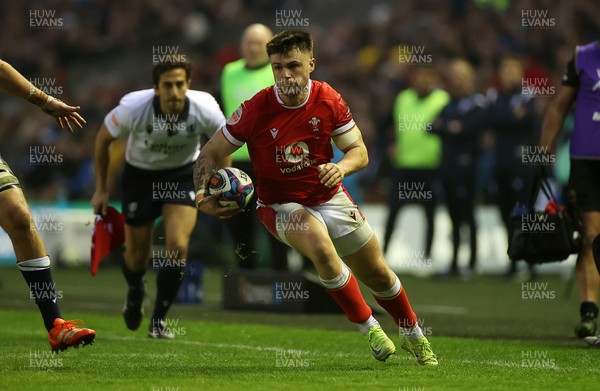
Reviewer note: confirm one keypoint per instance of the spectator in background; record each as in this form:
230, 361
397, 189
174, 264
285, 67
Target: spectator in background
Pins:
417, 152
240, 81
460, 126
580, 83
513, 119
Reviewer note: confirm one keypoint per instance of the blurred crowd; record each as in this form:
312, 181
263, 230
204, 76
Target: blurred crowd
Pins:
99, 50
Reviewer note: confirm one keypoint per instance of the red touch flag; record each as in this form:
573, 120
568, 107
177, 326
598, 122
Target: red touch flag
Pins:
109, 234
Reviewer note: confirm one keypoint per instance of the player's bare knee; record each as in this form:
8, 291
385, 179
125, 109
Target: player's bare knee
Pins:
136, 258
18, 220
176, 249
377, 278
322, 254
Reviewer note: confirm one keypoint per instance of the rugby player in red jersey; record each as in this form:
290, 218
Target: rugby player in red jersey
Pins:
288, 128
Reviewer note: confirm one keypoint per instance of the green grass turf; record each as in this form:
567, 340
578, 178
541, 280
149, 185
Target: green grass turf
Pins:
486, 336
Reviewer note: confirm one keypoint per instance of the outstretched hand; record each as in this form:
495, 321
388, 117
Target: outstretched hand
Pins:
64, 114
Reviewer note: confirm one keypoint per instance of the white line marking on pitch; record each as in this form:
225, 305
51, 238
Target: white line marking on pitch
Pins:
218, 345
513, 364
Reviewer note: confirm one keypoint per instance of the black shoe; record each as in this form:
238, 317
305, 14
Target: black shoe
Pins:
159, 330
133, 309
586, 327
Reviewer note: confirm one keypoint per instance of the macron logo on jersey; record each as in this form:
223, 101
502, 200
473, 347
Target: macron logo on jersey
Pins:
274, 132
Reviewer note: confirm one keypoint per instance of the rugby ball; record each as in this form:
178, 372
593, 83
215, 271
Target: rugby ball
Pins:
235, 186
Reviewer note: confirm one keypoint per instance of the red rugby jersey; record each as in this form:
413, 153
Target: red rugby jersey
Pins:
287, 144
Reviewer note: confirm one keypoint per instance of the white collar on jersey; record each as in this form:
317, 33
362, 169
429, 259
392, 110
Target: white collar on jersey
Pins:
293, 107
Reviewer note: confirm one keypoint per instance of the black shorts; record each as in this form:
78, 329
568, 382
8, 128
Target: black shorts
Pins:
584, 184
146, 191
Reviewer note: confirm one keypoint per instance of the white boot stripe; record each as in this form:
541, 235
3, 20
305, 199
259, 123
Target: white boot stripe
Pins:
61, 335
70, 334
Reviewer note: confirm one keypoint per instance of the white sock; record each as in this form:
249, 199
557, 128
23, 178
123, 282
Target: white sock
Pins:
413, 333
339, 281
36, 264
390, 293
367, 324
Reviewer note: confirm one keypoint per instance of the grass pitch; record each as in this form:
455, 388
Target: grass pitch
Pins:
487, 333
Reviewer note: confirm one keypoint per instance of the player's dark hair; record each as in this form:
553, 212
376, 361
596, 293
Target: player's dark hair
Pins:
288, 40
162, 67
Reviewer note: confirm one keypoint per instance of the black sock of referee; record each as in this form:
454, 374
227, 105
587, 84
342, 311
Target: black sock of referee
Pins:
167, 285
41, 288
134, 281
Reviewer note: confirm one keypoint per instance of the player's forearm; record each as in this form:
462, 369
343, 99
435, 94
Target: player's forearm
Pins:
355, 159
552, 124
226, 161
12, 82
102, 158
215, 154
555, 115
204, 169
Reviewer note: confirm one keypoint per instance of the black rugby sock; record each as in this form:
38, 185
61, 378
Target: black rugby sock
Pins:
167, 285
42, 288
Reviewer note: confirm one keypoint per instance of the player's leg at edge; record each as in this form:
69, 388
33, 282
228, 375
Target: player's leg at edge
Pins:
587, 276
34, 264
594, 340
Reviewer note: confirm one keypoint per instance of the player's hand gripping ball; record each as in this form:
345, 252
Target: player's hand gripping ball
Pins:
235, 186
